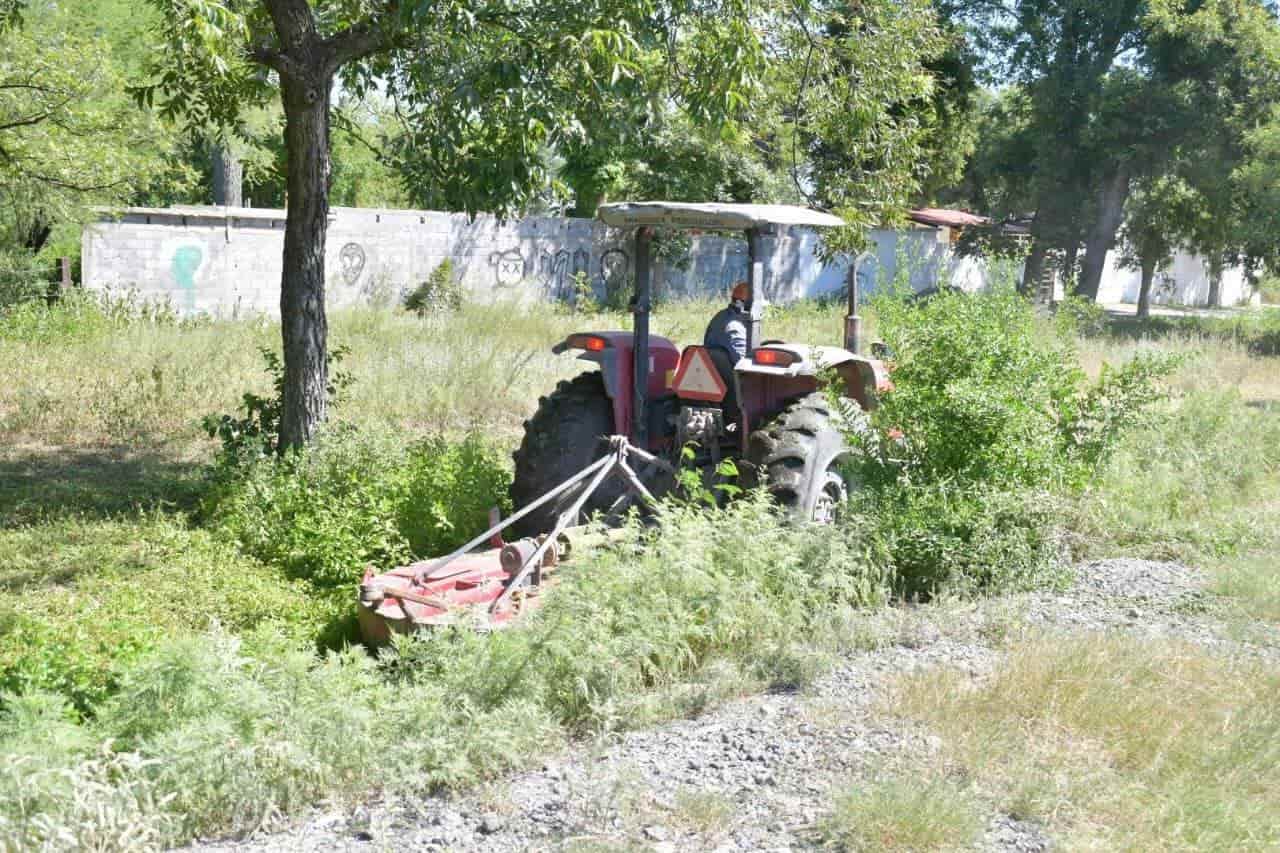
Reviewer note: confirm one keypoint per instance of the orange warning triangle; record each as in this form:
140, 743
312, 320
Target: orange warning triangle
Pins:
698, 378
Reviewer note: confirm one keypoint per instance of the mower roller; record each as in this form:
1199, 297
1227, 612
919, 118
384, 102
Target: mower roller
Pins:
649, 401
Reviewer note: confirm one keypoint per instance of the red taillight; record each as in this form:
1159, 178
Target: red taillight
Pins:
591, 343
773, 357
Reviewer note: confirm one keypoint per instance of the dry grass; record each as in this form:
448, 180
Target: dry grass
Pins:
1118, 744
149, 383
903, 813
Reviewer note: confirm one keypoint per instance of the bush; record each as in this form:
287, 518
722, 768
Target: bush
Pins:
996, 416
450, 488
440, 292
23, 279
360, 497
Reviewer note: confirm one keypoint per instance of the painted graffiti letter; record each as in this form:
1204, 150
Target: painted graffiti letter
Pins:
186, 261
553, 269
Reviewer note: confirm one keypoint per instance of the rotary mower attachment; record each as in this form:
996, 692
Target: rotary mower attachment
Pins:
489, 588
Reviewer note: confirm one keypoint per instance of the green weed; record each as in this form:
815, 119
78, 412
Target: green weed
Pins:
902, 814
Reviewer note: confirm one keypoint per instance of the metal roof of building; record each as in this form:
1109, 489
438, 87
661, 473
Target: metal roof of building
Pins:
947, 218
729, 217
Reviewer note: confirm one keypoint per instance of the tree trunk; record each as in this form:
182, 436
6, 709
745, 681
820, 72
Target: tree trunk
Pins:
1215, 285
1102, 236
228, 177
1069, 259
1033, 268
1144, 290
304, 326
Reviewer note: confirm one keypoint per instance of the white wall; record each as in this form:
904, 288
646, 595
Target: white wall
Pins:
228, 261
1184, 281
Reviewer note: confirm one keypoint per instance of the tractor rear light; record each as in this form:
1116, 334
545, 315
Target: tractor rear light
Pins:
590, 343
774, 357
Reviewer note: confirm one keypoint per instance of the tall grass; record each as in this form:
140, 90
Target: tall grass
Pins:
206, 734
193, 700
1115, 743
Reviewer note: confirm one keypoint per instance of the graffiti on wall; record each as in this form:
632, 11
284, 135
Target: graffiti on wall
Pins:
614, 266
186, 262
351, 260
554, 272
508, 268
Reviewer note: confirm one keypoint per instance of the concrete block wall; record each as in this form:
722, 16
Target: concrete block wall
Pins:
227, 260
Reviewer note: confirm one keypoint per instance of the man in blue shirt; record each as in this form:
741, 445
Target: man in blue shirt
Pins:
728, 328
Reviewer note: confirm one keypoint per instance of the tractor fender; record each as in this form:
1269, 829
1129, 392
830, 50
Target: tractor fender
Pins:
613, 352
863, 377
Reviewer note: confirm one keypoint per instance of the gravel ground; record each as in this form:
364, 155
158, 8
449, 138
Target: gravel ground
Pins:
756, 774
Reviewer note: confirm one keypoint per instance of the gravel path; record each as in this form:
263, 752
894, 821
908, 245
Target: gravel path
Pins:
755, 774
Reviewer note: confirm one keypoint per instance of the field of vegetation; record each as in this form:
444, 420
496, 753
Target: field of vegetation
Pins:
175, 611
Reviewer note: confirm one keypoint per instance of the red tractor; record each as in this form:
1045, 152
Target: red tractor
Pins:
767, 411
644, 405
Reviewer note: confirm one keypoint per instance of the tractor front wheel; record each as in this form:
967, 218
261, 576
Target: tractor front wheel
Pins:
800, 454
566, 434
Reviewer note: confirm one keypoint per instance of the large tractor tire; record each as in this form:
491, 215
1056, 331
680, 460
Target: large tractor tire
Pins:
566, 434
800, 453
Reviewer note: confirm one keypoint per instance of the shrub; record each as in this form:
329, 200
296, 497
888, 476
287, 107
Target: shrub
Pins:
1269, 288
996, 417
23, 279
450, 488
440, 292
359, 497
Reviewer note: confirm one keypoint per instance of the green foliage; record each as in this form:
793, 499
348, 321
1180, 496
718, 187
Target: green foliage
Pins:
1269, 287
583, 294
70, 135
996, 419
205, 735
1082, 316
442, 291
77, 616
23, 279
1196, 484
450, 488
358, 498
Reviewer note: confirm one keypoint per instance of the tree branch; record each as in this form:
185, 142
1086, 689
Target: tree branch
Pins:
362, 39
277, 61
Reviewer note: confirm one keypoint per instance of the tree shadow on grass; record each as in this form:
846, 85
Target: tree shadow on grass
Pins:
44, 484
1260, 334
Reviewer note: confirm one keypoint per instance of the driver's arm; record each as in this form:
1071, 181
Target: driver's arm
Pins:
735, 332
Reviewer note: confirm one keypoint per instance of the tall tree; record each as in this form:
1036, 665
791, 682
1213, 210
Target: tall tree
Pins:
486, 84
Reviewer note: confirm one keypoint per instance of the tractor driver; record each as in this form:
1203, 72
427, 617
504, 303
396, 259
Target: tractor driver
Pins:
727, 330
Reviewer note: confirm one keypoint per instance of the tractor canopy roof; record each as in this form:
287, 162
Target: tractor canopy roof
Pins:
711, 215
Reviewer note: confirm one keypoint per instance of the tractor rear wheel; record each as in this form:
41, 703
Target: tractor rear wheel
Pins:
800, 454
566, 434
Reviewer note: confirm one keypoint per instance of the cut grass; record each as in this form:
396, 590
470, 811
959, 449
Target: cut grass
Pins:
84, 600
1115, 743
